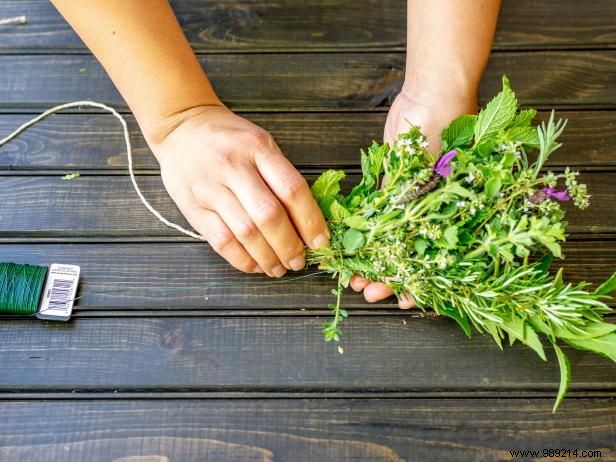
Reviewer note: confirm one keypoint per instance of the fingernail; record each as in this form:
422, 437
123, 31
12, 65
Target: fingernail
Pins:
279, 271
257, 269
322, 240
298, 263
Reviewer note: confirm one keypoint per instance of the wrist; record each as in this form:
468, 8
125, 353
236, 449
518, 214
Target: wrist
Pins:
456, 92
156, 130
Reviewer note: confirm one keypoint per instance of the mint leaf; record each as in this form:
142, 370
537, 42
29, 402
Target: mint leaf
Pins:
524, 118
337, 211
458, 133
70, 176
377, 154
565, 375
498, 113
525, 135
325, 188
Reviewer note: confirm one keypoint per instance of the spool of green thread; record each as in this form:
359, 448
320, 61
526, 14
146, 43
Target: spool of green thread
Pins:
20, 288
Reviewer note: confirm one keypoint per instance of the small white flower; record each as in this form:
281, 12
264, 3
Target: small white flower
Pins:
461, 204
470, 178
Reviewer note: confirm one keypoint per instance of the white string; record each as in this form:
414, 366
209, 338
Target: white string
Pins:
15, 20
129, 153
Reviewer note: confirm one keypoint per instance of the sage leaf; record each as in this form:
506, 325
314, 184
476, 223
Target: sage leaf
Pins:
353, 240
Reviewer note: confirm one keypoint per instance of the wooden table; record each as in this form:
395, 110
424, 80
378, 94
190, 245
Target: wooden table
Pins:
240, 372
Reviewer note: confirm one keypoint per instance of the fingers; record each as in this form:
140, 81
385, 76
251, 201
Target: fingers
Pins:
359, 283
376, 291
247, 233
221, 239
406, 301
293, 191
269, 216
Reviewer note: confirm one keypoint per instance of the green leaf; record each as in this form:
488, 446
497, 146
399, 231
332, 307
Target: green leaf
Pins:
377, 154
543, 264
498, 113
327, 185
518, 329
524, 135
607, 287
524, 118
493, 186
337, 211
532, 340
451, 237
592, 329
604, 345
70, 176
353, 240
458, 133
357, 222
565, 375
458, 316
420, 245
486, 148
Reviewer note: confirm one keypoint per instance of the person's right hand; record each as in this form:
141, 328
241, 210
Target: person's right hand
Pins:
236, 188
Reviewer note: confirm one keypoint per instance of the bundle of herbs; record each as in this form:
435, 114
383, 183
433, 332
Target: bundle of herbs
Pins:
470, 235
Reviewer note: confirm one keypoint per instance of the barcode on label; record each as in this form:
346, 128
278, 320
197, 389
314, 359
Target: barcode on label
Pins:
59, 292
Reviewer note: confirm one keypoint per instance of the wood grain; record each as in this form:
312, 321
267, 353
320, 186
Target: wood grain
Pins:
318, 81
152, 276
286, 353
94, 141
108, 205
310, 430
215, 26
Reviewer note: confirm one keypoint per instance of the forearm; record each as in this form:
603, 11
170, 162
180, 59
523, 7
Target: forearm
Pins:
143, 49
448, 44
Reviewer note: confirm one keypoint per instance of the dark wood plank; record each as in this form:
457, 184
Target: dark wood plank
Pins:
152, 276
304, 430
319, 81
108, 205
212, 25
92, 141
387, 353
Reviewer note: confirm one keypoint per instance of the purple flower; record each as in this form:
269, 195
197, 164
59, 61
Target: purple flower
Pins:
442, 166
557, 194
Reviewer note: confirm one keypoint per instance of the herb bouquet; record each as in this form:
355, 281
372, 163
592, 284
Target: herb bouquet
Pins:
471, 235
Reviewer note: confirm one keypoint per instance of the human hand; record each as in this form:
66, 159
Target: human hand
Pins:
236, 188
431, 113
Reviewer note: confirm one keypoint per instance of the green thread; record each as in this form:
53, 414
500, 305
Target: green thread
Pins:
20, 288
246, 285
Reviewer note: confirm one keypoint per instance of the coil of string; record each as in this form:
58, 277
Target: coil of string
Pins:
20, 288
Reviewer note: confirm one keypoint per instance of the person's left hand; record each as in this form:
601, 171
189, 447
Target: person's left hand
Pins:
431, 113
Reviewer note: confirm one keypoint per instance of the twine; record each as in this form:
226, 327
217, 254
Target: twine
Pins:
20, 20
129, 154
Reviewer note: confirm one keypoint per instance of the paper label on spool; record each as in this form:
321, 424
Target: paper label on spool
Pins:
59, 292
